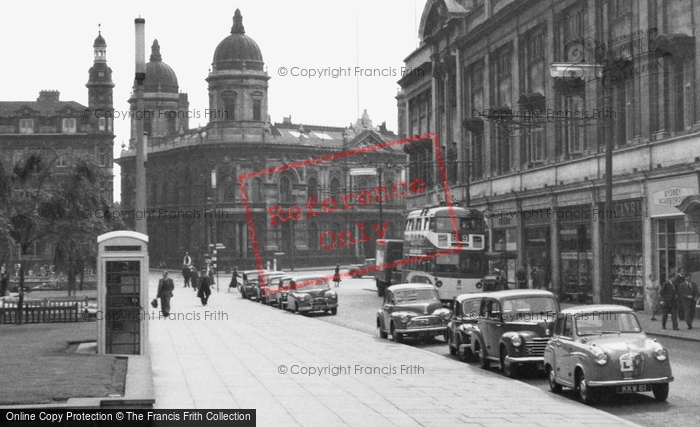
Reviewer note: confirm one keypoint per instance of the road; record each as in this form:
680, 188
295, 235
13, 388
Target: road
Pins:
358, 305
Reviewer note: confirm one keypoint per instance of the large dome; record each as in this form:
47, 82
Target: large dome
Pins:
237, 51
159, 76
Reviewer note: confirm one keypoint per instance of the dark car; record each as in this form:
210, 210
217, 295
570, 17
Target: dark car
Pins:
312, 293
514, 328
249, 279
277, 289
412, 310
603, 346
354, 270
465, 315
261, 293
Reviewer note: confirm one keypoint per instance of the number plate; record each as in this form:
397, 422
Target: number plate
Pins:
633, 388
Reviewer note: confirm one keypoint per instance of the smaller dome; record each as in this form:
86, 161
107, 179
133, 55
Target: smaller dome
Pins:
238, 51
99, 40
159, 76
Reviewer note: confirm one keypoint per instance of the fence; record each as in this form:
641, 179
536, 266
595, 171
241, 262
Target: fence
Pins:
44, 311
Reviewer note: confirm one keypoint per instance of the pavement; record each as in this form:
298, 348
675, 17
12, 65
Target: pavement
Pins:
296, 370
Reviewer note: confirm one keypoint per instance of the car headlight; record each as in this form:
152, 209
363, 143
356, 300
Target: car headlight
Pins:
601, 358
404, 318
661, 354
516, 341
305, 297
331, 294
444, 313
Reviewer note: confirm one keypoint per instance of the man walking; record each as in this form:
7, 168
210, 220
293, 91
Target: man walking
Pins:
521, 277
186, 264
687, 297
668, 296
165, 292
204, 290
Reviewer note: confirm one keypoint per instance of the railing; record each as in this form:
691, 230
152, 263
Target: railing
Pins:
42, 314
81, 303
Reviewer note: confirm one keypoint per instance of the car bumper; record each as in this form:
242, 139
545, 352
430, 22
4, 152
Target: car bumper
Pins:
431, 329
524, 360
318, 307
660, 380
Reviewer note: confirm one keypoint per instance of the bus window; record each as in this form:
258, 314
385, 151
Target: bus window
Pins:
471, 224
470, 265
432, 224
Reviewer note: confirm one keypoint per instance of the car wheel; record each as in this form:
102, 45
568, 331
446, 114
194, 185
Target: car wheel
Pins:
585, 393
464, 355
508, 369
451, 345
382, 332
397, 337
334, 311
553, 385
660, 392
483, 361
295, 308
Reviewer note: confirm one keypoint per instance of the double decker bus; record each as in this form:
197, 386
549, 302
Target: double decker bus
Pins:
451, 258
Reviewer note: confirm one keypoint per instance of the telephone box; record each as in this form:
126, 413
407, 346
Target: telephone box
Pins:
122, 293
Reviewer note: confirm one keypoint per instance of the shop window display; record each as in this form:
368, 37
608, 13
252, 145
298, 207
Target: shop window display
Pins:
576, 257
628, 265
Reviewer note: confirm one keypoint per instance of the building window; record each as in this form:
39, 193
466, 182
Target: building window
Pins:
229, 106
103, 157
102, 124
420, 110
68, 125
313, 236
257, 110
62, 161
312, 188
335, 188
257, 191
285, 190
573, 128
26, 125
229, 189
501, 150
474, 150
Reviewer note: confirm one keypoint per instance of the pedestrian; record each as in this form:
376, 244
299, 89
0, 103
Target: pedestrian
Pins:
687, 298
521, 277
538, 277
670, 303
204, 288
336, 275
194, 278
165, 292
4, 279
186, 275
653, 296
234, 281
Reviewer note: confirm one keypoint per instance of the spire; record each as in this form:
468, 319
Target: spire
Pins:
237, 23
99, 40
155, 51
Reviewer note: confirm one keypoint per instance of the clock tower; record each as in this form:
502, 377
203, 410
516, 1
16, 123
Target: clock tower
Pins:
100, 87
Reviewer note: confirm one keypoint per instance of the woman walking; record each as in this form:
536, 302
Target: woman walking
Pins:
336, 276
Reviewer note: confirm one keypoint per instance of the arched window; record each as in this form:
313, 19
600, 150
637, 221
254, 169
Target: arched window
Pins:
313, 235
312, 187
285, 190
335, 188
229, 189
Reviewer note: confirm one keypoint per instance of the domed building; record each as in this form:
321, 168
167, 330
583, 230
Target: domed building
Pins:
193, 174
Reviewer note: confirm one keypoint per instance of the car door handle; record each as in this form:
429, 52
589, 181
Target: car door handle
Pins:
558, 344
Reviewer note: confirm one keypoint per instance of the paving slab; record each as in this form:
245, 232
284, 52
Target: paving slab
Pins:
300, 371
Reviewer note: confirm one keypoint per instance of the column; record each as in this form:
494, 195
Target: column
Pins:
596, 248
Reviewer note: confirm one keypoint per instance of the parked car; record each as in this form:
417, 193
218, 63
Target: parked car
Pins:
603, 346
312, 293
249, 278
354, 269
412, 310
261, 293
285, 285
276, 288
465, 315
514, 328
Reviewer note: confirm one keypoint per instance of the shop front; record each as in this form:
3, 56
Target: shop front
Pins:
537, 246
576, 254
628, 259
676, 242
504, 229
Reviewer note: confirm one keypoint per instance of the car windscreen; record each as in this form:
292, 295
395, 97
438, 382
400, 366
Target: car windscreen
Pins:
603, 322
409, 296
530, 309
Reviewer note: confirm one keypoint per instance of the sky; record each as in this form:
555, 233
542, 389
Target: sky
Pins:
47, 45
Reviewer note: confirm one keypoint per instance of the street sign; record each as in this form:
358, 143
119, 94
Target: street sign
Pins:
220, 246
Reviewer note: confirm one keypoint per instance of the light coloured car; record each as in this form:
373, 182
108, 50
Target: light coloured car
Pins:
603, 346
412, 310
